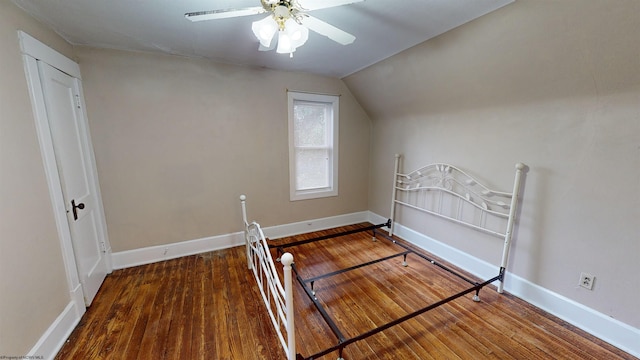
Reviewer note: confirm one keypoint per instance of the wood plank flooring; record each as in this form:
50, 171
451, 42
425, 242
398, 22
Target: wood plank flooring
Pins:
207, 307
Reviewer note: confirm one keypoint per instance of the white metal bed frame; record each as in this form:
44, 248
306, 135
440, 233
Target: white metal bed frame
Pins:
438, 189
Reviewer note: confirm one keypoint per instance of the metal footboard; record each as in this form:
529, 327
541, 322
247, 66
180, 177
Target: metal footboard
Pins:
277, 295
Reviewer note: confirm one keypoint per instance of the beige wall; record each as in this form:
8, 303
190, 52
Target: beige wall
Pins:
554, 84
178, 140
33, 286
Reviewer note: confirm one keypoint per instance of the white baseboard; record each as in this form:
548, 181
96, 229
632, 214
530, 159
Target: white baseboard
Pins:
280, 231
615, 332
148, 255
52, 340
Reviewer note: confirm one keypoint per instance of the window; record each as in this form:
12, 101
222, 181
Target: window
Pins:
313, 145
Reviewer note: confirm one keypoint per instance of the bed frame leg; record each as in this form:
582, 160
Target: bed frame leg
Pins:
340, 354
404, 262
476, 297
313, 291
373, 238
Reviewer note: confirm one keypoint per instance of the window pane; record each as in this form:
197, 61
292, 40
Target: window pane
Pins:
313, 145
312, 169
310, 127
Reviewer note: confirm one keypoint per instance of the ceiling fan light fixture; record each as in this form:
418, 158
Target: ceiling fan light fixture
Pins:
284, 43
291, 37
299, 34
265, 30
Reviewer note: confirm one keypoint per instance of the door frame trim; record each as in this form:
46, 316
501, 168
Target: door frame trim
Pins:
32, 51
38, 50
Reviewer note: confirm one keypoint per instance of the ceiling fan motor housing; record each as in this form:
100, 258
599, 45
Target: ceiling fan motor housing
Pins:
269, 5
281, 13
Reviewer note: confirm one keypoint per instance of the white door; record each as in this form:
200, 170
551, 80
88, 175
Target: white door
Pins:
74, 158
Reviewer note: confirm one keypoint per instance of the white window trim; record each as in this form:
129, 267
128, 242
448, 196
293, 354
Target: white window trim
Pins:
332, 190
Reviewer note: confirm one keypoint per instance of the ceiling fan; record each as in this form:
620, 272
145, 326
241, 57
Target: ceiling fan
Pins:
288, 18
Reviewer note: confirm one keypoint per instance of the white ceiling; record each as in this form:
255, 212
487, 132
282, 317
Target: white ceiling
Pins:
382, 28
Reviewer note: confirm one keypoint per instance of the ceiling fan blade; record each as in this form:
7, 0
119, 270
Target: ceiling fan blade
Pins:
223, 14
323, 4
328, 30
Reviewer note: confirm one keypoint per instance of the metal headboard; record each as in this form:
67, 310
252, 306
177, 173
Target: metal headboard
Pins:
445, 191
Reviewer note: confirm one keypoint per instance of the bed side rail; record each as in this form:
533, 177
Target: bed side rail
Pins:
277, 295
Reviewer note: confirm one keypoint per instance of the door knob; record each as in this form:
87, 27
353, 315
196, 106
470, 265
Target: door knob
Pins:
75, 208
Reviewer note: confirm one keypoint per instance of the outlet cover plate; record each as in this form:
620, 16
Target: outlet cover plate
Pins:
586, 281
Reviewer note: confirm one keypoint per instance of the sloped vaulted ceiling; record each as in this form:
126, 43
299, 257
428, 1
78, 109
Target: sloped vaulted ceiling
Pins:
382, 28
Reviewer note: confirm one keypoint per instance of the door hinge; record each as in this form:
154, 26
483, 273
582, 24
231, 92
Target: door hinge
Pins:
103, 246
78, 101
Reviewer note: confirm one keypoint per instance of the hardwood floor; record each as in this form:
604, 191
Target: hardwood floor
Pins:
207, 307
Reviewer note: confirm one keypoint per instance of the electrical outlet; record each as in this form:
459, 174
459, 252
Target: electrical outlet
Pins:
586, 281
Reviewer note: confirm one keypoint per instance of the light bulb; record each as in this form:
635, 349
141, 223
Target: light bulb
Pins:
297, 33
284, 43
266, 33
264, 30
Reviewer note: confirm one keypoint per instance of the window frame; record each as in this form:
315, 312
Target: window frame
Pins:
315, 193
